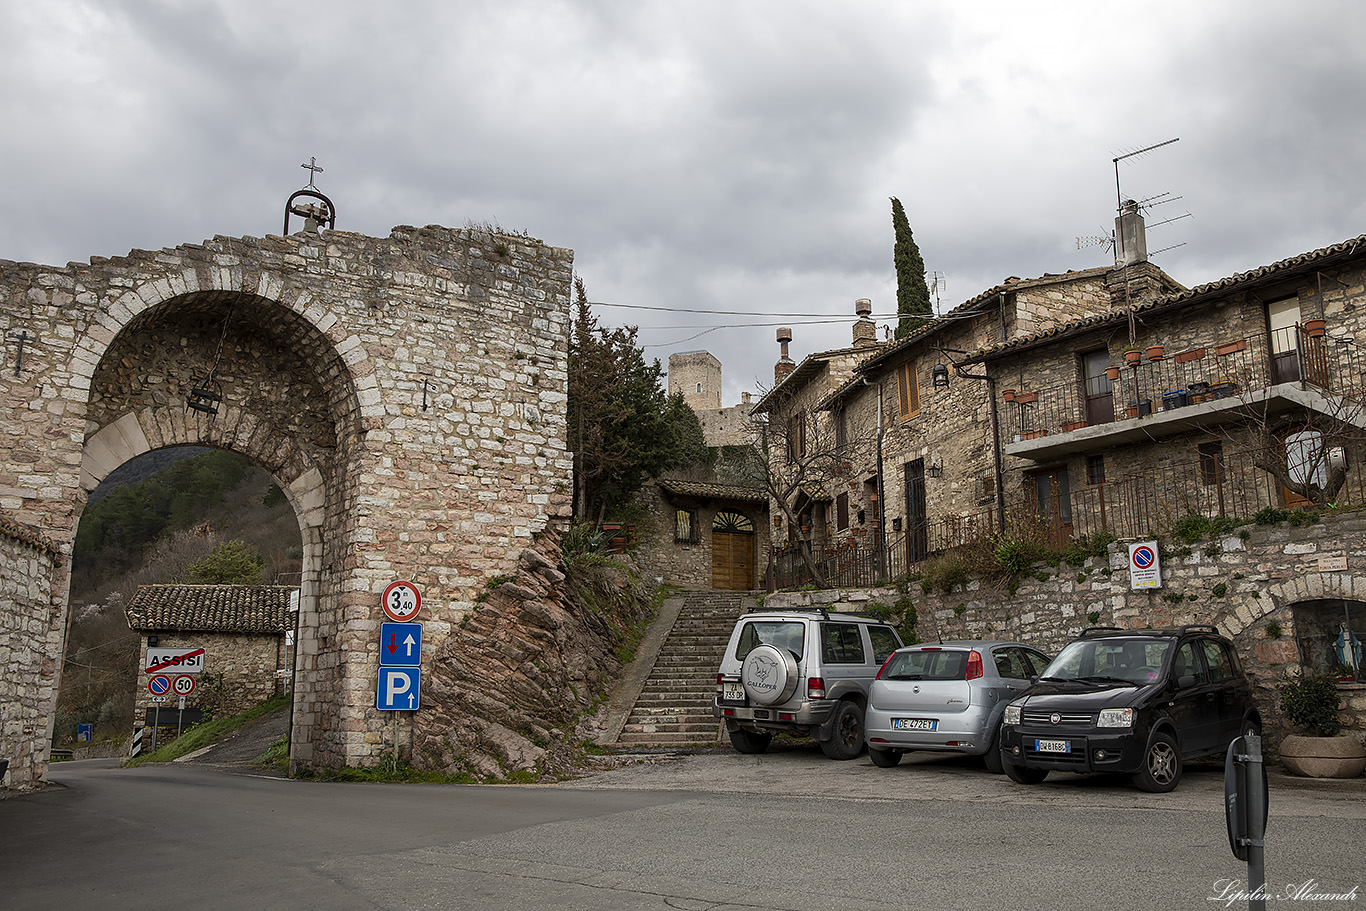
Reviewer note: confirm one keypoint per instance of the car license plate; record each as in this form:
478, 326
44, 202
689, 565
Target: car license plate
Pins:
1052, 746
732, 691
914, 724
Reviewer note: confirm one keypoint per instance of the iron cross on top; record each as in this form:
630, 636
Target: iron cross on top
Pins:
313, 170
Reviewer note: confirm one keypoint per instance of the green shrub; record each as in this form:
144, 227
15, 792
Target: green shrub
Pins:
1273, 630
1311, 703
1219, 590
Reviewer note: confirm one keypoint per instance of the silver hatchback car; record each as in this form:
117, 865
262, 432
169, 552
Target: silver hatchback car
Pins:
947, 696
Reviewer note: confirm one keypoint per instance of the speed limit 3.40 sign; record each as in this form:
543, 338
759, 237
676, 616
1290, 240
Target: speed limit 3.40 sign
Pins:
401, 601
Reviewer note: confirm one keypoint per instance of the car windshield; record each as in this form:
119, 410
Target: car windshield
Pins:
780, 633
927, 664
1112, 660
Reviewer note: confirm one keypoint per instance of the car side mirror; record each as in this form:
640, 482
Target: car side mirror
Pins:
1033, 679
1185, 681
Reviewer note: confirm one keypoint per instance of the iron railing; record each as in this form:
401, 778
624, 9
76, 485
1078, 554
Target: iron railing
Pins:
1177, 379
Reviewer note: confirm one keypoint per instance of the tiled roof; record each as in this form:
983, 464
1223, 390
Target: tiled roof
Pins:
713, 491
1304, 262
809, 366
13, 528
260, 609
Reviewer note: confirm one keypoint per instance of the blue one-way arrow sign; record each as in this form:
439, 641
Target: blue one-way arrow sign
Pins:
399, 689
400, 644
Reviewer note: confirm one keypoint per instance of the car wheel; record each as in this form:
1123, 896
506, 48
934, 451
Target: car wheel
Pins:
884, 759
992, 757
749, 741
846, 738
1161, 769
1022, 774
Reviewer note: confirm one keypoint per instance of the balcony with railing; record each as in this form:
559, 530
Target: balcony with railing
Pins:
1173, 392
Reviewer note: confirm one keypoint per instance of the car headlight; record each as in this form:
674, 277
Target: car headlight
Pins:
1115, 718
1012, 715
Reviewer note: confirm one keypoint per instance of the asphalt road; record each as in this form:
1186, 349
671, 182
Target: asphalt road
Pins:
785, 830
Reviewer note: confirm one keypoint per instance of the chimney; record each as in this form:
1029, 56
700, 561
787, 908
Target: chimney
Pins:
865, 330
784, 365
1131, 240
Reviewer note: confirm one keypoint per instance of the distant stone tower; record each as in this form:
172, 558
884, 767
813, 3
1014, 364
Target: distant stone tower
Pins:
697, 375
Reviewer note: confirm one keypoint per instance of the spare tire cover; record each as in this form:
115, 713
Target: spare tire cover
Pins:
769, 675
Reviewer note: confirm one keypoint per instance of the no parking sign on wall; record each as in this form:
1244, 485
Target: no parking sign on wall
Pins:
1145, 569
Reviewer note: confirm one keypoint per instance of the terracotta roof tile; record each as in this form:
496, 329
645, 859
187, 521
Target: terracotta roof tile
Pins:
13, 528
212, 608
714, 491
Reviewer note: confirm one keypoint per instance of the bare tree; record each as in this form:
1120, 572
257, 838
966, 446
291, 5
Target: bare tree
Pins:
798, 456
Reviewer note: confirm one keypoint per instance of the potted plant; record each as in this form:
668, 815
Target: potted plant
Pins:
1155, 352
1314, 328
1008, 394
1112, 373
1311, 704
1132, 355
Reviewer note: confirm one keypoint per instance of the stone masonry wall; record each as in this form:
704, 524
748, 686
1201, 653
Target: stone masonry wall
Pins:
1244, 585
407, 392
31, 629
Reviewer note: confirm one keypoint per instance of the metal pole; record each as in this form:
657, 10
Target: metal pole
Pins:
156, 725
1256, 830
996, 452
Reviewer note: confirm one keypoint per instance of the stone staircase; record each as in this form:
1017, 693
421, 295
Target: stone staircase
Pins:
673, 708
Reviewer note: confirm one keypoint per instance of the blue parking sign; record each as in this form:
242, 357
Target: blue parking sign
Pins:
400, 644
399, 689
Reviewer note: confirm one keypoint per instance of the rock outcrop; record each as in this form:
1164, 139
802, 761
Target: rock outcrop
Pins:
510, 689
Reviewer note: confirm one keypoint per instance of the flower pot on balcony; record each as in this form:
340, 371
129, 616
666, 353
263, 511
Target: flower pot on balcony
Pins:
1231, 347
1024, 398
1112, 373
1132, 356
1073, 425
1008, 394
1155, 352
1314, 328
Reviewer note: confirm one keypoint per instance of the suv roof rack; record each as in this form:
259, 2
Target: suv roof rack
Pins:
1199, 628
1094, 630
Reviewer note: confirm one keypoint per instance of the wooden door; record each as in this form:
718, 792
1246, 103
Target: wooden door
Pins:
732, 561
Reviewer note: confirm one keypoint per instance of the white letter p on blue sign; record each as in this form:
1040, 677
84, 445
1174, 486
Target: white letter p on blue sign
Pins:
399, 689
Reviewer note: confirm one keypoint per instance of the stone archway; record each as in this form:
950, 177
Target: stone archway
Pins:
407, 392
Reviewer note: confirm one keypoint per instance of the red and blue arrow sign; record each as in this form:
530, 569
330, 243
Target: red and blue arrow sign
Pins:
400, 644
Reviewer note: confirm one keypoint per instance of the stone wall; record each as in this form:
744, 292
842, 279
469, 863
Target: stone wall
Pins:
406, 392
240, 670
696, 375
31, 630
1244, 583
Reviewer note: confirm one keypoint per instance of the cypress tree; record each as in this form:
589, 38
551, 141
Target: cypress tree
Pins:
912, 294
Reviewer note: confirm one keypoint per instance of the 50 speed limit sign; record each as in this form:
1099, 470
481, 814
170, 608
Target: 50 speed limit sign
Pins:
183, 685
401, 601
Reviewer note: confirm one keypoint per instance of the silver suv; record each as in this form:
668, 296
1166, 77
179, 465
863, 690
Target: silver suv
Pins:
804, 673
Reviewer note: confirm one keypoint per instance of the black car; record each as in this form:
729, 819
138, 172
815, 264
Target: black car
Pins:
1138, 702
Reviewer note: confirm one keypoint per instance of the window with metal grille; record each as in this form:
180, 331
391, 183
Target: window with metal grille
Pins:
685, 526
1095, 469
842, 511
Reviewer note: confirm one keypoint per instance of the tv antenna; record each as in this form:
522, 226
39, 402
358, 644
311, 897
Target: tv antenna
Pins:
937, 283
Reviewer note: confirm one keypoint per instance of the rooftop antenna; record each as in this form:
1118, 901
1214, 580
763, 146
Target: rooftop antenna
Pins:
937, 284
1135, 207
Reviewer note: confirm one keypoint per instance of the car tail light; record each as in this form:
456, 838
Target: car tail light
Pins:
815, 688
719, 679
974, 665
882, 669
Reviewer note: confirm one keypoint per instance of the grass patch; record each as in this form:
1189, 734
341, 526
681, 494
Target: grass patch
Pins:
275, 757
389, 769
202, 735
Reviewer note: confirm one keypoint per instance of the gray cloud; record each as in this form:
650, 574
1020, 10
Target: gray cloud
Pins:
722, 156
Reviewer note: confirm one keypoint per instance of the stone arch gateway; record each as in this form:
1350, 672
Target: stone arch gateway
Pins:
408, 394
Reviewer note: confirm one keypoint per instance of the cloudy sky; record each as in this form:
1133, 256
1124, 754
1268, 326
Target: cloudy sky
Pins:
733, 158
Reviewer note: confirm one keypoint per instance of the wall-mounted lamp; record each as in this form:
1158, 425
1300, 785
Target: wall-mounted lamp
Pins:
940, 373
935, 469
204, 396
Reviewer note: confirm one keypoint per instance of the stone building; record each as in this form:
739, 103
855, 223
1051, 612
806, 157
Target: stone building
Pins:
696, 375
246, 631
406, 392
31, 631
708, 535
